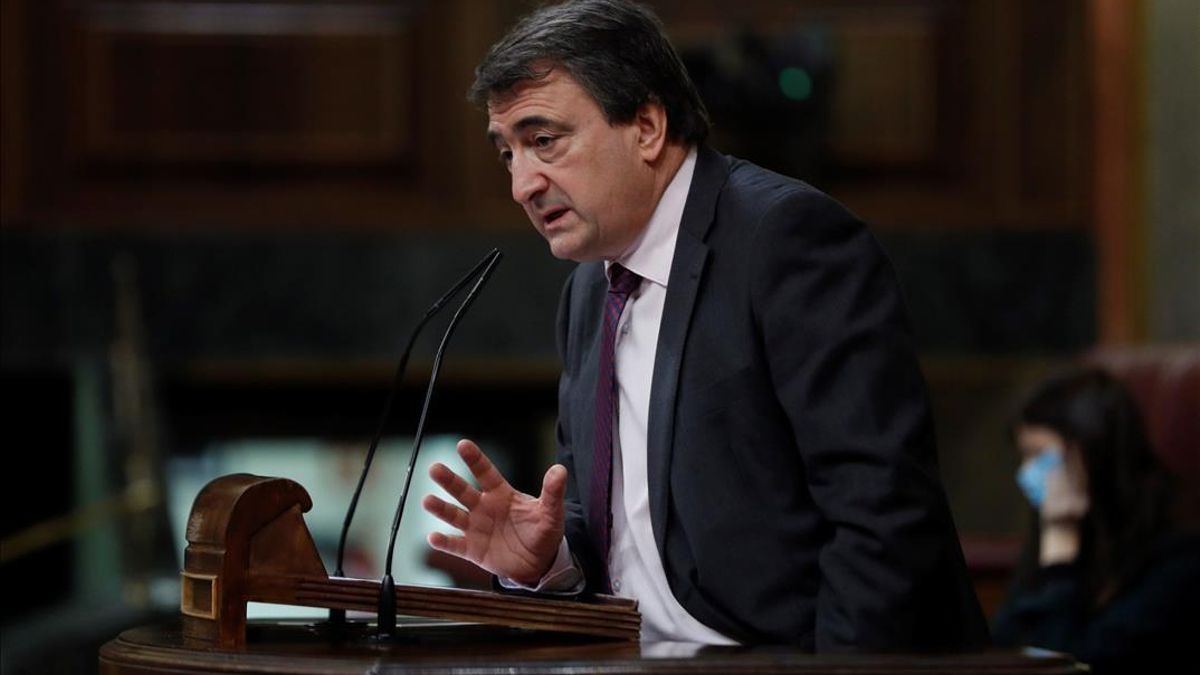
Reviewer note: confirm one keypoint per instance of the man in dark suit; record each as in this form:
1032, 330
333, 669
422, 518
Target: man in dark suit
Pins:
745, 443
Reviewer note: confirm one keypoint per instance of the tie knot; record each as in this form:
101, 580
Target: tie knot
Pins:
621, 280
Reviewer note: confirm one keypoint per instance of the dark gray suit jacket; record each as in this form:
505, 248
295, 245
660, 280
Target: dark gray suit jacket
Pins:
793, 480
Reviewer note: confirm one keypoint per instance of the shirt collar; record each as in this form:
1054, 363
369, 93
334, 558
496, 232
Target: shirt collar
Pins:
651, 255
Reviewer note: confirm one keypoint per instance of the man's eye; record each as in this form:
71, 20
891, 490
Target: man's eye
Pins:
506, 157
542, 142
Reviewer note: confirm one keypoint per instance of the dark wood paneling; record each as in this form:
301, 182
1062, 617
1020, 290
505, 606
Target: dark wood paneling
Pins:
872, 76
884, 107
308, 114
1116, 80
939, 115
169, 86
184, 98
14, 88
1053, 114
295, 115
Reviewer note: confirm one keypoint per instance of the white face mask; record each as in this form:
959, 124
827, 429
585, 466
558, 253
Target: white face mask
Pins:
1034, 474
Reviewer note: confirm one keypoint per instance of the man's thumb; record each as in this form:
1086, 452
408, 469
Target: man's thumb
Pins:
554, 486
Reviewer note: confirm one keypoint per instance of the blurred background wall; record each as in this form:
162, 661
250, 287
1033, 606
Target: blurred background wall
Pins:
220, 220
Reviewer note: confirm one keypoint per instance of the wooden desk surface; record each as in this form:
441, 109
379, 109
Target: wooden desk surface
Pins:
441, 647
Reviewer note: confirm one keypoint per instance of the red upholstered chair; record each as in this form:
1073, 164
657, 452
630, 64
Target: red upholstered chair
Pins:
1165, 381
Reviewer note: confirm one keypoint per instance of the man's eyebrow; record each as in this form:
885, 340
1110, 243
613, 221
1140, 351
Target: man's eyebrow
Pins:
526, 122
538, 121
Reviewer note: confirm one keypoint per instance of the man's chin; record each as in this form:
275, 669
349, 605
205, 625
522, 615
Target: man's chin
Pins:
563, 249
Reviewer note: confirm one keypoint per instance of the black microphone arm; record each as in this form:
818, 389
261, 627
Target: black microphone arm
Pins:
338, 615
387, 591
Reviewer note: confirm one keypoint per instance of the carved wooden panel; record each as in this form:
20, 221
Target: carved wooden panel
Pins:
249, 83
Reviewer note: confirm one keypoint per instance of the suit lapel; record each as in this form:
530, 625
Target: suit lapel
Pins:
687, 271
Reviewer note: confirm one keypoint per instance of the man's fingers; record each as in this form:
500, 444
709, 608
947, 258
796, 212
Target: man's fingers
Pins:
448, 544
447, 513
554, 488
481, 467
454, 485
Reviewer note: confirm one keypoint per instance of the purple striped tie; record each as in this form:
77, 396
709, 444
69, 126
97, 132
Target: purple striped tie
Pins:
622, 283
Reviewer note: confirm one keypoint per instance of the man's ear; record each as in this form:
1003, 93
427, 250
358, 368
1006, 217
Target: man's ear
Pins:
651, 123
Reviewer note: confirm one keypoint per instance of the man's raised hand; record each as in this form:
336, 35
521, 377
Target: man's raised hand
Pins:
508, 533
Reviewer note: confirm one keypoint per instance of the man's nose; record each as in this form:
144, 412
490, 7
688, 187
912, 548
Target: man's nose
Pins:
527, 180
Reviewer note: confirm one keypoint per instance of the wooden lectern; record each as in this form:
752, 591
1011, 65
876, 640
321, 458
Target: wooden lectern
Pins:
247, 541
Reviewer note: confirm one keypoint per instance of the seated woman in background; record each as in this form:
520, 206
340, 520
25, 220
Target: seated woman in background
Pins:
1106, 575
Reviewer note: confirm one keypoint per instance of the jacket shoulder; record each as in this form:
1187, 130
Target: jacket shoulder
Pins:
754, 198
761, 191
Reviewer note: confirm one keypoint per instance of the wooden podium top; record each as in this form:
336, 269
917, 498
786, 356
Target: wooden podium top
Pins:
435, 647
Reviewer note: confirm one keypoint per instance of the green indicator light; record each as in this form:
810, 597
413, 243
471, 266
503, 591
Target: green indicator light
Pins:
795, 83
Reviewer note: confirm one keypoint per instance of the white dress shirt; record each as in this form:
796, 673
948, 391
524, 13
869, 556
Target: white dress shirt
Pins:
635, 568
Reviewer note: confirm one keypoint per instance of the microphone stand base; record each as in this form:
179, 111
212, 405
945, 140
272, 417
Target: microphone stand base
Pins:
340, 632
381, 639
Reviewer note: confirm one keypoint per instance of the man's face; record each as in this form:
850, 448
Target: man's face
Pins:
583, 183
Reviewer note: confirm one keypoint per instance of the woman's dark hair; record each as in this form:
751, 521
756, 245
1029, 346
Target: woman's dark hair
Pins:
1129, 490
616, 50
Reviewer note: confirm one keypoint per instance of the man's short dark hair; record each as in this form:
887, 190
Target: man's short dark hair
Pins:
615, 49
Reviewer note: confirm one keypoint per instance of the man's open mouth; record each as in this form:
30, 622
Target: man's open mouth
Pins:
555, 215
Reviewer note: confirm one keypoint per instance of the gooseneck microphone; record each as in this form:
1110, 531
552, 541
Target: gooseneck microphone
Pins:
338, 616
387, 591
